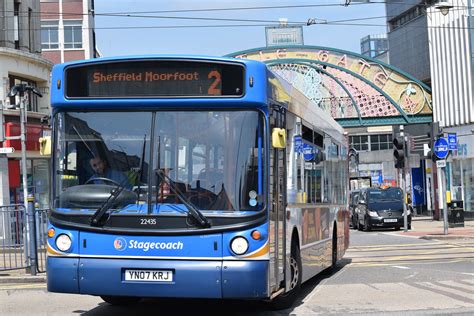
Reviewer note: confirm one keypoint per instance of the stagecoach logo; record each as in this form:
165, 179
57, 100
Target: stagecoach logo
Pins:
120, 244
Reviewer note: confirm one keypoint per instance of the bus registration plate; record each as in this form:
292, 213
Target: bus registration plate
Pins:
149, 275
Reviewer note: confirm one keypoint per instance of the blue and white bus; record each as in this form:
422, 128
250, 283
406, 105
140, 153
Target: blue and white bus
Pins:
192, 177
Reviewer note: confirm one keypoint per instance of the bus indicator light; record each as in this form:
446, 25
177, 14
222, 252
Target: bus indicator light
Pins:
51, 232
256, 235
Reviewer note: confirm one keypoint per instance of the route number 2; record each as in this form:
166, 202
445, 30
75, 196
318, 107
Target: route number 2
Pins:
213, 88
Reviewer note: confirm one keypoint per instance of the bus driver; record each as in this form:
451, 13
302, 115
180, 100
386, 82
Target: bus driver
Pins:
102, 170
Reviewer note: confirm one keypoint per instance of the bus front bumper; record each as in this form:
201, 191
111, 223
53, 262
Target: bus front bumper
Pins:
191, 279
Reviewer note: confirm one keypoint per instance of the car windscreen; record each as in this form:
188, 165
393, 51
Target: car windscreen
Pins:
391, 194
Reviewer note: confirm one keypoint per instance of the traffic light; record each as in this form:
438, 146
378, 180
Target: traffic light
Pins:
399, 151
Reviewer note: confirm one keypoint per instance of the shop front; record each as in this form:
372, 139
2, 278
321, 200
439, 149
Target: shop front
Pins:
461, 169
37, 166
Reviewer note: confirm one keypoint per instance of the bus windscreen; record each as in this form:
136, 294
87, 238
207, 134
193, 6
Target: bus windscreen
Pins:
154, 78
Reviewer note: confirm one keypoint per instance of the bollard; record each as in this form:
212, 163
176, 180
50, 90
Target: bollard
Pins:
32, 234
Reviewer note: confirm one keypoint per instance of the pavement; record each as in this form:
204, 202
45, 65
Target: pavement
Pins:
422, 227
425, 227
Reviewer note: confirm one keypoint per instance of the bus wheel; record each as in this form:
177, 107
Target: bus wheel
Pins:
120, 300
287, 299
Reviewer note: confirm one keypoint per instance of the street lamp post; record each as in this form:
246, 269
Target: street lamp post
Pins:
15, 90
30, 250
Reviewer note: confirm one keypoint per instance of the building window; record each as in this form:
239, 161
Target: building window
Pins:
380, 142
31, 98
371, 142
406, 17
72, 34
16, 24
49, 35
360, 143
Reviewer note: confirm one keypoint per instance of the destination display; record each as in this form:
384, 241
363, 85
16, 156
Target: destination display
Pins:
154, 78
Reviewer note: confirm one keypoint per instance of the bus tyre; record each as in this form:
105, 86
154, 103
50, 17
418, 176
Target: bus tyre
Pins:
120, 300
287, 299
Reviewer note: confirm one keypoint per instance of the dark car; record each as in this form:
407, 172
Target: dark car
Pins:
353, 200
379, 207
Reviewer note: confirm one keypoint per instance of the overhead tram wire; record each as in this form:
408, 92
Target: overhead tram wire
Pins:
306, 24
132, 13
319, 21
339, 4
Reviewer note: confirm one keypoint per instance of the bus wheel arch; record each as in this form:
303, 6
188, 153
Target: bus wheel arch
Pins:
287, 299
295, 262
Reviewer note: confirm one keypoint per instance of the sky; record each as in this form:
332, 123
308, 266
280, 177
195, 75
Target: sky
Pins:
145, 31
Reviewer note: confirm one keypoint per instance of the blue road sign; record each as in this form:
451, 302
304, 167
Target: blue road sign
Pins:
441, 148
452, 141
298, 143
308, 152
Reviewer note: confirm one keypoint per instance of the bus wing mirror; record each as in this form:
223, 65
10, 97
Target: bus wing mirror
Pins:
279, 138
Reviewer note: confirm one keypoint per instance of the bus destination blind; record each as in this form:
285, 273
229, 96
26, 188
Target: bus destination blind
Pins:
154, 79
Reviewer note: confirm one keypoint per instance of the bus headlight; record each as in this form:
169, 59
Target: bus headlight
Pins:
63, 242
239, 245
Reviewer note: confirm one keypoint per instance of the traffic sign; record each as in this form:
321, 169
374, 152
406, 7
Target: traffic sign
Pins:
452, 141
298, 144
6, 150
441, 163
441, 148
308, 152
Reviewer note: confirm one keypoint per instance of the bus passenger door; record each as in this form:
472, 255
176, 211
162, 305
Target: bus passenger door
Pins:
277, 234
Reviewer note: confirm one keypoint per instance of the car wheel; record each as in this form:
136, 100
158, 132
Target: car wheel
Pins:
367, 227
120, 300
287, 299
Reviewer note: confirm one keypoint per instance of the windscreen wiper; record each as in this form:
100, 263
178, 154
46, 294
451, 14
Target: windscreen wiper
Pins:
192, 210
98, 219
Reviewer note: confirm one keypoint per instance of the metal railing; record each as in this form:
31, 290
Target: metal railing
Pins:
13, 249
23, 238
41, 221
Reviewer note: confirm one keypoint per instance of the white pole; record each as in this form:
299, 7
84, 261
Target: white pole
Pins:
445, 204
23, 150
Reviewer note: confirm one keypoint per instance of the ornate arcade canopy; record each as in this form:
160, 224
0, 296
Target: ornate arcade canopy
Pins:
355, 89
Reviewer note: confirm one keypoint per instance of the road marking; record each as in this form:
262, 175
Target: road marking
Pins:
22, 286
401, 267
467, 273
397, 245
430, 262
443, 290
